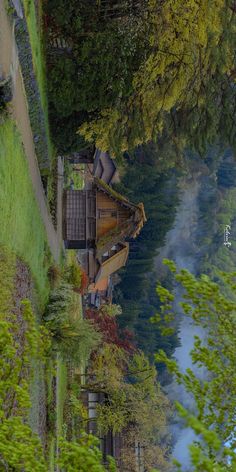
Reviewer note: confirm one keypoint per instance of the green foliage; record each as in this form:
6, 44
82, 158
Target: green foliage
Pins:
64, 131
78, 408
111, 309
83, 456
73, 274
159, 70
133, 397
175, 88
19, 447
74, 336
211, 305
62, 85
60, 304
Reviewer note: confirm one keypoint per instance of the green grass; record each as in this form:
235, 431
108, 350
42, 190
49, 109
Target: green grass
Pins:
77, 177
7, 275
22, 229
78, 180
36, 40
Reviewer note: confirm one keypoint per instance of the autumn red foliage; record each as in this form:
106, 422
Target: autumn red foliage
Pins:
111, 333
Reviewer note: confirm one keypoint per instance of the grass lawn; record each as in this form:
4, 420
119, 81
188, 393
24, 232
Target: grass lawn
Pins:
7, 274
51, 454
36, 41
75, 176
22, 229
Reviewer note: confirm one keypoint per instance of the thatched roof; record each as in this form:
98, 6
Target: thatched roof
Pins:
129, 229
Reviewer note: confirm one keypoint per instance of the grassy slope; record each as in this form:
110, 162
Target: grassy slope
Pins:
7, 274
61, 393
61, 397
22, 229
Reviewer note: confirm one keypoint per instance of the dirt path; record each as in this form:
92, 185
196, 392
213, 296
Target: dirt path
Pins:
9, 64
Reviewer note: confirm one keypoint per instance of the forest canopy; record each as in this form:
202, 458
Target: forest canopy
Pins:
158, 67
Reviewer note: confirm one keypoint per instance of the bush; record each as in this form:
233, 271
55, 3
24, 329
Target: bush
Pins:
73, 274
77, 277
75, 338
78, 346
64, 131
111, 309
20, 448
63, 306
110, 332
62, 85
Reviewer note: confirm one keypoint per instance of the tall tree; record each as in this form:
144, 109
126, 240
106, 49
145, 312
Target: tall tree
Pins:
185, 83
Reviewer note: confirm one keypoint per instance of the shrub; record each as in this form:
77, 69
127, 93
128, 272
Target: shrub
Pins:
63, 309
110, 332
75, 338
76, 276
73, 274
62, 85
78, 346
111, 309
20, 448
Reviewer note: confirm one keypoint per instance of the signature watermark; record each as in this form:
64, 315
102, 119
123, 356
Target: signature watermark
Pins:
227, 235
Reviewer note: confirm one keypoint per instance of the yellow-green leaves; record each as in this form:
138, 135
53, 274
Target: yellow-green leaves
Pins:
210, 305
189, 54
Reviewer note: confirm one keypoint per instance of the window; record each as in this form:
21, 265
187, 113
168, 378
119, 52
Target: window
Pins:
108, 213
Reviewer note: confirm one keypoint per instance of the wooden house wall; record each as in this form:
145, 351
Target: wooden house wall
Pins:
106, 222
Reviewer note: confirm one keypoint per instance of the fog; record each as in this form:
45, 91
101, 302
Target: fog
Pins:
181, 247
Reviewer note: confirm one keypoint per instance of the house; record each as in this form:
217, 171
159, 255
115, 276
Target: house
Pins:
101, 220
105, 168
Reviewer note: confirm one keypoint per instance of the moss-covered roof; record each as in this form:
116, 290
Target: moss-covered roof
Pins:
110, 191
113, 237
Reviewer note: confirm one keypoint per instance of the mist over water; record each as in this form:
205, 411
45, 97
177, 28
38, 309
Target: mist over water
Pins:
182, 248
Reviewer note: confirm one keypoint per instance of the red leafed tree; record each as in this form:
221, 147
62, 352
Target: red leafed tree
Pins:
110, 330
